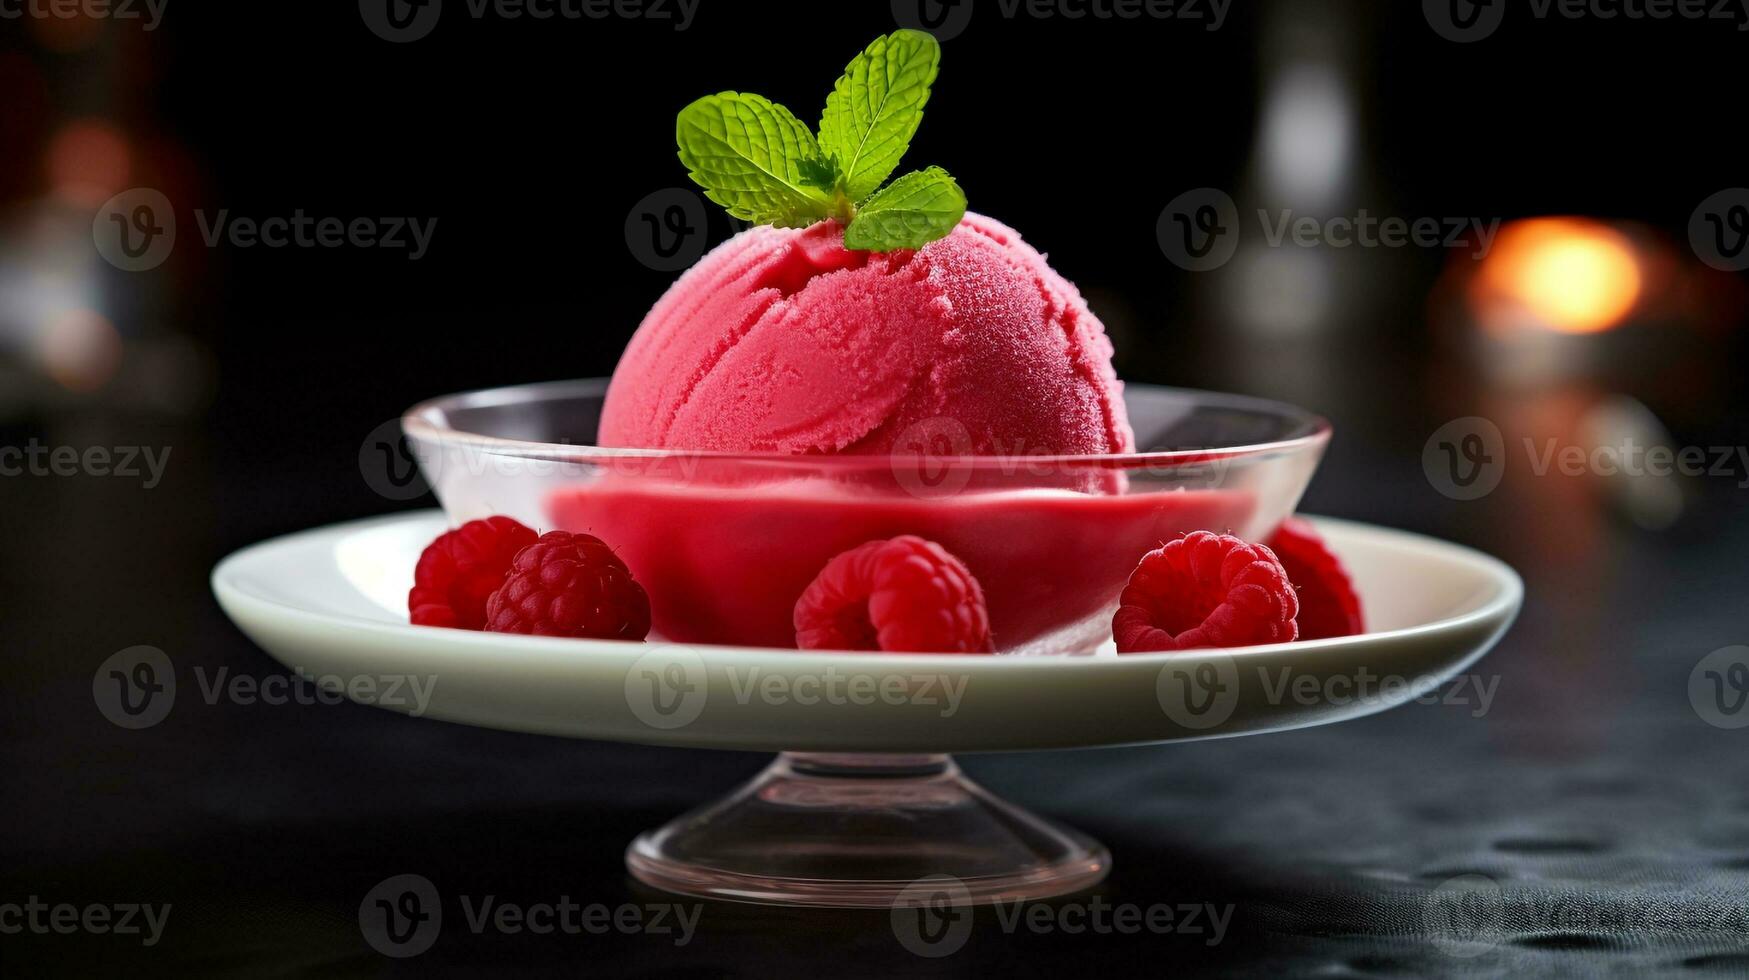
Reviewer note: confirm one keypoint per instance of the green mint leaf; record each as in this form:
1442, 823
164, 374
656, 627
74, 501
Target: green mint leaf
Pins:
876, 106
910, 212
747, 153
821, 172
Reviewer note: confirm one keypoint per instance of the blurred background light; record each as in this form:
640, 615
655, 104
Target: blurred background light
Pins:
1644, 491
1307, 134
1302, 165
80, 349
1569, 275
88, 162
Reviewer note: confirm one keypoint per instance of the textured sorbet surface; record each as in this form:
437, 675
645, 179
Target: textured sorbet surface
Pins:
781, 340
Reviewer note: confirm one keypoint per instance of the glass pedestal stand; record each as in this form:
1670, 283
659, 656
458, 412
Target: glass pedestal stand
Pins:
851, 830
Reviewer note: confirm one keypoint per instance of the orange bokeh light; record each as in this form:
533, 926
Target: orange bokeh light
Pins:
1570, 275
88, 162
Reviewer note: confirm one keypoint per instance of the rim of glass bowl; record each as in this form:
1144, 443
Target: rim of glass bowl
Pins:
428, 421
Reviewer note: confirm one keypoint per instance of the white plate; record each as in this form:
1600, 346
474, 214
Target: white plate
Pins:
332, 602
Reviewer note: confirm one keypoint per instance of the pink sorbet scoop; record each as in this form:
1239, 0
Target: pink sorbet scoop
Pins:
781, 340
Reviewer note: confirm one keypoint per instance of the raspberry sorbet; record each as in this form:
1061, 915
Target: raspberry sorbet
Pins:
782, 340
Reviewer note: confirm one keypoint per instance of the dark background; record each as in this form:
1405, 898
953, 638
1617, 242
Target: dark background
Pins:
264, 370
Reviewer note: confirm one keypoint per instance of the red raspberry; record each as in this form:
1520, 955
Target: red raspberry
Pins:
1205, 590
903, 595
461, 569
570, 585
1329, 605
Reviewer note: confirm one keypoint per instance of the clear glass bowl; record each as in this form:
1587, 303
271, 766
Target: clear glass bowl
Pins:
725, 543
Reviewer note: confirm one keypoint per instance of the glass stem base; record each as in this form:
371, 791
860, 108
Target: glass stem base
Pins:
857, 831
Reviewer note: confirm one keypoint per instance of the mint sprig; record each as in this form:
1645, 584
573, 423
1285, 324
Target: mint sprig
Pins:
921, 206
752, 156
875, 108
755, 158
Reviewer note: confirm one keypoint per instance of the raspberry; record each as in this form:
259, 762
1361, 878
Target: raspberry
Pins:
459, 570
570, 585
1329, 605
1205, 590
903, 595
